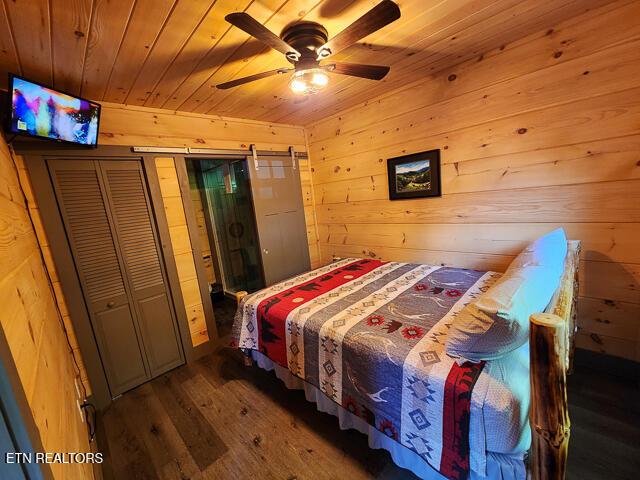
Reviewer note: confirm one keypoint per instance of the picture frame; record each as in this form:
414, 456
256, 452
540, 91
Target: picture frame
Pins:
414, 176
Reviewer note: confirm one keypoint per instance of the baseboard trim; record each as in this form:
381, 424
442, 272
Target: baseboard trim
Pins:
202, 350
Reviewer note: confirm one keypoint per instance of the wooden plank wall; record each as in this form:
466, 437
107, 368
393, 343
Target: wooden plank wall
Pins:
34, 329
182, 249
131, 125
43, 242
540, 133
141, 126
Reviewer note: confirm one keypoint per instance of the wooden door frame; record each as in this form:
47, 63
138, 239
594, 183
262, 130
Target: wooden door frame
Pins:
34, 157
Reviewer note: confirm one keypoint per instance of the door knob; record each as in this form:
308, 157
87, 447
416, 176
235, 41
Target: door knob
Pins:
266, 251
110, 304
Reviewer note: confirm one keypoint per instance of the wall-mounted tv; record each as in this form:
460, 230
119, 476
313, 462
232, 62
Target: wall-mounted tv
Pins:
40, 111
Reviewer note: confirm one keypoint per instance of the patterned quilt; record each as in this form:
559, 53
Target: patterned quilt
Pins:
371, 336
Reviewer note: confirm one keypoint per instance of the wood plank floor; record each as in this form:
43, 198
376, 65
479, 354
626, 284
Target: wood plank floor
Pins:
216, 419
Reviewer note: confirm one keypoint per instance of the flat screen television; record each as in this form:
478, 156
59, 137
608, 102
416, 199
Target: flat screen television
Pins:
40, 111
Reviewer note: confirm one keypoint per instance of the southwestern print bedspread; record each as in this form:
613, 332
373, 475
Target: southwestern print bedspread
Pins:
371, 336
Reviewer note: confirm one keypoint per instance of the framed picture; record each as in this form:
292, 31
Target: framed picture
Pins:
414, 176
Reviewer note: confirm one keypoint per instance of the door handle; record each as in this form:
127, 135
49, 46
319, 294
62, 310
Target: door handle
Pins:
266, 251
110, 304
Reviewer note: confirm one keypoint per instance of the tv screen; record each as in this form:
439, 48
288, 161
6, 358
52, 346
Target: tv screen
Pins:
40, 111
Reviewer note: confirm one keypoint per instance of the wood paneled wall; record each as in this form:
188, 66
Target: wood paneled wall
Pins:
130, 125
43, 242
126, 125
34, 329
140, 126
540, 133
182, 250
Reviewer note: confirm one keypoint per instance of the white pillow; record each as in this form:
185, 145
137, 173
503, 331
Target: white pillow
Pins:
498, 322
547, 251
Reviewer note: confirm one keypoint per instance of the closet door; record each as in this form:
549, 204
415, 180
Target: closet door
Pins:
110, 226
277, 199
77, 184
137, 237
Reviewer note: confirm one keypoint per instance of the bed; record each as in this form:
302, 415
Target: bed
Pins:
366, 340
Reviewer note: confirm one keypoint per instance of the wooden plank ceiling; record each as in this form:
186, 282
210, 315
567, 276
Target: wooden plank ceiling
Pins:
171, 53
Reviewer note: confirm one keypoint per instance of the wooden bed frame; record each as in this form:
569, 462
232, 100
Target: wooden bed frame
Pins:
551, 344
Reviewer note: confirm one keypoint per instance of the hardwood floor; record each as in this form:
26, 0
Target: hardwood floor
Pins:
605, 426
216, 419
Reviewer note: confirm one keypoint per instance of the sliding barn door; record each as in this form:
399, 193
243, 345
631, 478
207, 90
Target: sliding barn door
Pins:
109, 224
277, 199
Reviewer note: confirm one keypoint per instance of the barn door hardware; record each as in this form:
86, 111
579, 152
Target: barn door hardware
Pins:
292, 152
160, 150
254, 154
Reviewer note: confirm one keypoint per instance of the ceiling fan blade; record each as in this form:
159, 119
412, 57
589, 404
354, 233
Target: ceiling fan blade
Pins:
252, 78
254, 28
372, 72
379, 16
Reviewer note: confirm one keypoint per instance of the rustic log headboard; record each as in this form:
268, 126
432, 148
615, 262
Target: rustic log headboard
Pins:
551, 353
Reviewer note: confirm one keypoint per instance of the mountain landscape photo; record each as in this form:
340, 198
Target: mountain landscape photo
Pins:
414, 176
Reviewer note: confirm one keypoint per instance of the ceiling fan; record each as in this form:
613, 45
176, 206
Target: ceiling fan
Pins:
306, 44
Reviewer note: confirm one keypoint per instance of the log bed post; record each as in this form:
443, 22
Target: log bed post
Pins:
248, 361
551, 351
549, 415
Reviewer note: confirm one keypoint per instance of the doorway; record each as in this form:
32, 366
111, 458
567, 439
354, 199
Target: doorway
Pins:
222, 200
220, 191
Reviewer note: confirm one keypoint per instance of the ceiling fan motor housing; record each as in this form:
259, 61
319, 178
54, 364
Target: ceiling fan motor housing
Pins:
306, 37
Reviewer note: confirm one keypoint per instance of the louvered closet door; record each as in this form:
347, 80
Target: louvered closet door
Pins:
105, 209
77, 184
140, 248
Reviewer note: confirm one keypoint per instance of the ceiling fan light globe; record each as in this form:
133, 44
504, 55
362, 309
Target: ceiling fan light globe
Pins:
307, 82
320, 79
298, 86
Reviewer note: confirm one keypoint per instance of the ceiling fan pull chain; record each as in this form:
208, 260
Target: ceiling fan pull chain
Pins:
254, 154
292, 151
